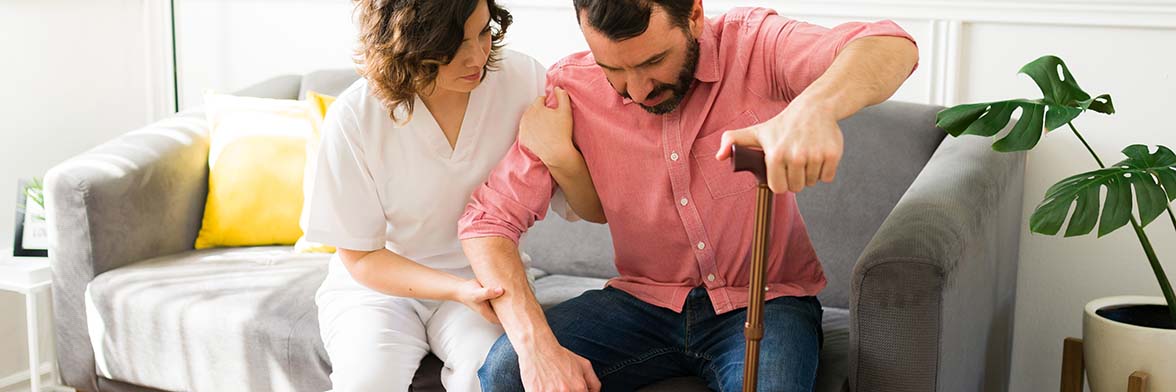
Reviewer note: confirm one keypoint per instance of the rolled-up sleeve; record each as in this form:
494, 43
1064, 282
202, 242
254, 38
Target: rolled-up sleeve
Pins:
796, 53
518, 191
515, 195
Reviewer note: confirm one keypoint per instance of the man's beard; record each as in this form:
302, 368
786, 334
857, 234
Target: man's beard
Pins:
679, 89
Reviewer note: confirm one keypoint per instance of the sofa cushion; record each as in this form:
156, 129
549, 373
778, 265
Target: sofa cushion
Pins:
247, 315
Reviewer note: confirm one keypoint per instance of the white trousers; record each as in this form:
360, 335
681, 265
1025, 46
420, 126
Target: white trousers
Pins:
376, 342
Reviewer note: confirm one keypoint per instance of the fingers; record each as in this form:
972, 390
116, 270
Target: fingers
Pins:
562, 99
488, 293
812, 172
829, 169
741, 137
535, 107
590, 375
797, 166
777, 166
792, 172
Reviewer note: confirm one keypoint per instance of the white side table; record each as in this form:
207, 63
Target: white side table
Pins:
30, 277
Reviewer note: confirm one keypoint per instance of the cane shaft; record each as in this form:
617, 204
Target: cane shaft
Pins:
754, 329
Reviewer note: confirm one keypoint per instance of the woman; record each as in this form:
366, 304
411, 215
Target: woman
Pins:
403, 148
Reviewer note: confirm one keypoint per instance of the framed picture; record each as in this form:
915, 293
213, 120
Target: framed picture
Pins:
32, 232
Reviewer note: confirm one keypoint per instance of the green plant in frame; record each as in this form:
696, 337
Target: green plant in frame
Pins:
1152, 176
34, 192
1063, 101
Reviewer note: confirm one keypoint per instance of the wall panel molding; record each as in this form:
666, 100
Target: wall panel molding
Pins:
1147, 14
948, 20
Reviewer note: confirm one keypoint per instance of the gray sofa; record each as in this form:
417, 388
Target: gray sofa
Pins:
918, 238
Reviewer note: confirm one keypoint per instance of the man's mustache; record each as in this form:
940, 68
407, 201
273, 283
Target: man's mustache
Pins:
661, 88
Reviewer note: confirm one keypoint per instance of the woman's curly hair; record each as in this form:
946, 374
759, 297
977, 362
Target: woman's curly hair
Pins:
403, 42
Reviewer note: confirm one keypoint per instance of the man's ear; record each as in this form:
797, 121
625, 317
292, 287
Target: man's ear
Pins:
697, 19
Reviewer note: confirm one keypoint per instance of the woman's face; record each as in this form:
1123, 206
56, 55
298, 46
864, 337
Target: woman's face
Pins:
464, 72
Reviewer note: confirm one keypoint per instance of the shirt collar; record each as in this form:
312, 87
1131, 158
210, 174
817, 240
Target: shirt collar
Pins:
708, 55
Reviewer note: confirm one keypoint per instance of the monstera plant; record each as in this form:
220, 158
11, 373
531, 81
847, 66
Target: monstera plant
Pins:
1151, 174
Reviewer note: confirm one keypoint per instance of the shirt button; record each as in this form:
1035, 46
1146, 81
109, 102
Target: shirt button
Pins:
674, 156
710, 277
701, 246
684, 201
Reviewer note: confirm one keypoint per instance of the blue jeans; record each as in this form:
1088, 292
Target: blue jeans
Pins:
632, 344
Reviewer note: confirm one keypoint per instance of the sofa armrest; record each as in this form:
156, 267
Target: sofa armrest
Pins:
138, 196
932, 296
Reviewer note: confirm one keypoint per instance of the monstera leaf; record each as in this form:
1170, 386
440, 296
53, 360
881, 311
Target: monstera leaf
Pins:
1063, 101
1152, 175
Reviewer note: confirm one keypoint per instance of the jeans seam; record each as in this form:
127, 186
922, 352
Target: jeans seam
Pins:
710, 367
636, 360
686, 326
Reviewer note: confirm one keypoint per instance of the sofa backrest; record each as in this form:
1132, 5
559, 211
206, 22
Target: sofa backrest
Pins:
329, 81
886, 146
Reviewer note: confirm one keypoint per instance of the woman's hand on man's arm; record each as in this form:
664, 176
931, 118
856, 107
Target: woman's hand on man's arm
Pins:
387, 272
547, 133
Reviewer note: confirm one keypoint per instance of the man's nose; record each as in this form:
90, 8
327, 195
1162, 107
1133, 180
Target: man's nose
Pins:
639, 88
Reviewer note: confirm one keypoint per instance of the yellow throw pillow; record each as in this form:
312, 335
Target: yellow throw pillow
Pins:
318, 109
256, 162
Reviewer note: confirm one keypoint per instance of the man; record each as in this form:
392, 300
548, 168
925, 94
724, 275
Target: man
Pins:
659, 100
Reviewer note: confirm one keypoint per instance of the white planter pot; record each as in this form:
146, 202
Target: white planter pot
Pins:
1113, 350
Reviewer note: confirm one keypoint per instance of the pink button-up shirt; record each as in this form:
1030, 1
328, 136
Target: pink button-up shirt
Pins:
679, 218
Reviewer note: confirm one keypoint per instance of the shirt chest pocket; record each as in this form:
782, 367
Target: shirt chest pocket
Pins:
719, 176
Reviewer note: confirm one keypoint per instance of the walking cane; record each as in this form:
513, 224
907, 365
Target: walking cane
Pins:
753, 161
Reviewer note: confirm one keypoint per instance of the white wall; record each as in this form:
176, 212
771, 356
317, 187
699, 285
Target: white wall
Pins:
228, 45
1058, 275
74, 73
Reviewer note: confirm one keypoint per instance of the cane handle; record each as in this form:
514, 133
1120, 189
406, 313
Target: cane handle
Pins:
750, 160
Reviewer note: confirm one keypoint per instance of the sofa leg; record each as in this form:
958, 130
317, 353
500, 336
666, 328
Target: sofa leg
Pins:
1137, 382
1072, 365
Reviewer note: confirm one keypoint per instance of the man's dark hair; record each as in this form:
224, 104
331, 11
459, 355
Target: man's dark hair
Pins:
623, 19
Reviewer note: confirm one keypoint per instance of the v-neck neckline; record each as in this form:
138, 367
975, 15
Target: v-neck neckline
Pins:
435, 136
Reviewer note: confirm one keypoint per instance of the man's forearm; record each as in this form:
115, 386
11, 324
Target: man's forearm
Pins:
866, 72
496, 263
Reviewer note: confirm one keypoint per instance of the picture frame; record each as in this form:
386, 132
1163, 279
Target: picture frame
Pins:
30, 238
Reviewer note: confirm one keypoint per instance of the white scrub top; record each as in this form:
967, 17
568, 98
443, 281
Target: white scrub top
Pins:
400, 186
